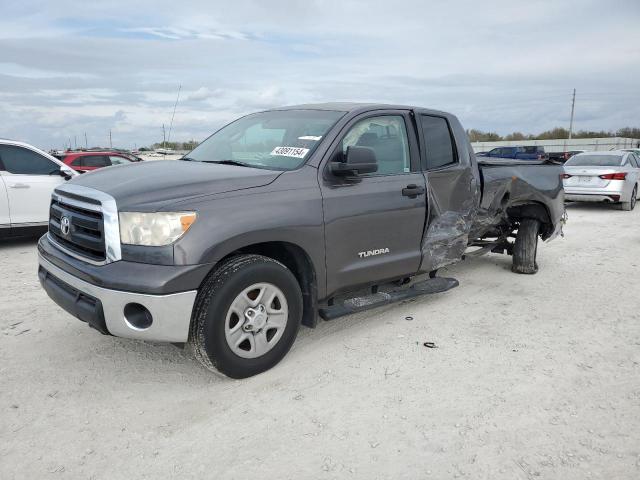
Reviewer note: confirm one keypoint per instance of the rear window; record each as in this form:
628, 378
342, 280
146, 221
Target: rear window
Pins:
438, 145
533, 149
594, 161
95, 161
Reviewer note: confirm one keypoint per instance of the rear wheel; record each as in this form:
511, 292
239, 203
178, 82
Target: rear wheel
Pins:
631, 204
525, 249
246, 317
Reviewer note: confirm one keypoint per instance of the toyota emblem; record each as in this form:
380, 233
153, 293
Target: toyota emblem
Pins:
65, 225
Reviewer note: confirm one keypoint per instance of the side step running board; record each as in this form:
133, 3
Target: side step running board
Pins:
359, 304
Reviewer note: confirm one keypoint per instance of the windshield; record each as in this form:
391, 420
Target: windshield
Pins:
275, 140
594, 161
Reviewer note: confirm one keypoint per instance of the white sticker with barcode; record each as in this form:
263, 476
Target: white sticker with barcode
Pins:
295, 152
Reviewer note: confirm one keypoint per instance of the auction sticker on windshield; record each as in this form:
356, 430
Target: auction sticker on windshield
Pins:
290, 152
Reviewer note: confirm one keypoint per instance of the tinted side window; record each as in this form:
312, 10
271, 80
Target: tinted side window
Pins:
438, 145
95, 161
21, 160
77, 162
634, 160
387, 137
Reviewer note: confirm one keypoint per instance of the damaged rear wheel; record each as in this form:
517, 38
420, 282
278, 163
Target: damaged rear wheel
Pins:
525, 248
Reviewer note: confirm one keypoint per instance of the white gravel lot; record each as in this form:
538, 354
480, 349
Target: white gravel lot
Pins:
534, 377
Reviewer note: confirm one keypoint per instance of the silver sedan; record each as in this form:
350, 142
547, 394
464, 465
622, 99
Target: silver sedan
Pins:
612, 177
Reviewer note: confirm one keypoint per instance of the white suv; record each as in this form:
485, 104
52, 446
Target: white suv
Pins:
27, 178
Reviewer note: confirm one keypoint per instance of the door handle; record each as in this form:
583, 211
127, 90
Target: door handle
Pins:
413, 190
19, 185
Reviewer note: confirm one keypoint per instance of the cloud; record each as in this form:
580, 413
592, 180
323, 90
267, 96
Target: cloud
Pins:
203, 93
176, 33
499, 66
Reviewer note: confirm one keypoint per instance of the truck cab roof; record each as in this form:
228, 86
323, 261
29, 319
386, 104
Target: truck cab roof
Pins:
357, 107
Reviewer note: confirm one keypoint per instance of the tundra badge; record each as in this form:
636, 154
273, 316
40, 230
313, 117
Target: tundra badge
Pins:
368, 253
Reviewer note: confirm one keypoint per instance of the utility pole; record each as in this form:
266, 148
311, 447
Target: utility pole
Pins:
86, 144
573, 105
75, 141
110, 143
164, 137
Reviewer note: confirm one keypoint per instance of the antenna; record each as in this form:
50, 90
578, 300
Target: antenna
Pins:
174, 112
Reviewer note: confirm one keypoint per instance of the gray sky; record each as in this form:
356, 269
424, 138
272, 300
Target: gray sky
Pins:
67, 68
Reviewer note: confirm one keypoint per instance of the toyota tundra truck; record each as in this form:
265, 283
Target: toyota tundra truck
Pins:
283, 217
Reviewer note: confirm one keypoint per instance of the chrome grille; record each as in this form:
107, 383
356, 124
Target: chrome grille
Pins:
83, 223
85, 232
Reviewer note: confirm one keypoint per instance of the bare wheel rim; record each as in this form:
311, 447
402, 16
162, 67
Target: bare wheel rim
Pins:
256, 320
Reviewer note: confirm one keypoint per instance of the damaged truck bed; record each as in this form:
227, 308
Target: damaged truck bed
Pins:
278, 218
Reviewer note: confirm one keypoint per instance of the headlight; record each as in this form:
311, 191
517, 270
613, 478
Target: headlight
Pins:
154, 229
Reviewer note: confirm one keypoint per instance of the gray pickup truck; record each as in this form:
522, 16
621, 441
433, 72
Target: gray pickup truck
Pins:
278, 218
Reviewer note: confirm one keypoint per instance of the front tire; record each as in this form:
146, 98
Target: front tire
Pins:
525, 249
246, 316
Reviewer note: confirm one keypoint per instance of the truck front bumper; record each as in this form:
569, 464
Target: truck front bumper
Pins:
141, 316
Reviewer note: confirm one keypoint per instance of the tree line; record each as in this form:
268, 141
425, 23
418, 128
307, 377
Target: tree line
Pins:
555, 133
190, 145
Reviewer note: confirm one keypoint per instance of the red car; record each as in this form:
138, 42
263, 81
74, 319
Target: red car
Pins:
87, 161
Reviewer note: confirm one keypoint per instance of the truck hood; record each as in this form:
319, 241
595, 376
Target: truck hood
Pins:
152, 185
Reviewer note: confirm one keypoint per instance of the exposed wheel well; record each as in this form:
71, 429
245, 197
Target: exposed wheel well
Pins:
296, 260
536, 211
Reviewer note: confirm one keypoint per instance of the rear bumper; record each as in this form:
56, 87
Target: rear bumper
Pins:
593, 195
576, 197
104, 309
614, 192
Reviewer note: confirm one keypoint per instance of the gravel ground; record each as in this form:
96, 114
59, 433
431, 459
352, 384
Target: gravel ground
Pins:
534, 377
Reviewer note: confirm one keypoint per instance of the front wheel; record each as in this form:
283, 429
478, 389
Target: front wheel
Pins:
525, 249
246, 316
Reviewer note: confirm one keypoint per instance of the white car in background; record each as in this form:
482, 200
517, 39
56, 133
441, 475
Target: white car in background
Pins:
611, 177
27, 177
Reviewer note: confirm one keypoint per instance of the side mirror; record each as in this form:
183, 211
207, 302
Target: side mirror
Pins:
66, 173
357, 161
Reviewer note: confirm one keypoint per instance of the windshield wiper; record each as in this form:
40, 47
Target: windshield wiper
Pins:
188, 159
229, 162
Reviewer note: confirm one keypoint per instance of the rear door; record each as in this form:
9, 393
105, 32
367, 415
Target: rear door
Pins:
29, 177
453, 188
374, 224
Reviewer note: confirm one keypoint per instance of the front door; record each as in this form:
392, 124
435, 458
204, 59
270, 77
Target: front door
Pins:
454, 190
374, 225
29, 179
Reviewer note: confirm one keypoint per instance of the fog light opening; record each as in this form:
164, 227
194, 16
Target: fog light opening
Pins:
137, 316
